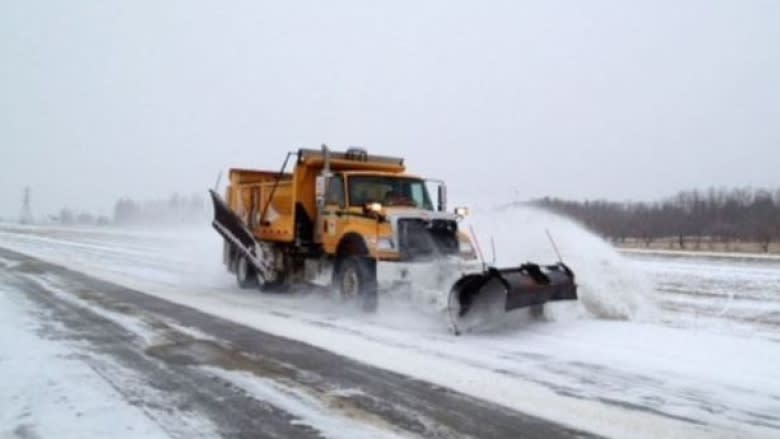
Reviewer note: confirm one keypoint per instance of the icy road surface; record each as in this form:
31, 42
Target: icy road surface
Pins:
658, 346
95, 359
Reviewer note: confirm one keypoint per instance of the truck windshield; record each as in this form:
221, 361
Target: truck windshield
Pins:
390, 191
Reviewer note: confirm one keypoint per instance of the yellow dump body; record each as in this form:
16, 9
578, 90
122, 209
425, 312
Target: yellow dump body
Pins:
249, 191
248, 195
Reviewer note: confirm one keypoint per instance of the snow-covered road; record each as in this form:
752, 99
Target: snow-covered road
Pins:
183, 374
48, 390
695, 355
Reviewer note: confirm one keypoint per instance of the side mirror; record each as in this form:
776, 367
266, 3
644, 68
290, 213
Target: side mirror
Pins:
442, 195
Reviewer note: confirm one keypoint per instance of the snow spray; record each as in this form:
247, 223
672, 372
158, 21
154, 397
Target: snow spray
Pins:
610, 286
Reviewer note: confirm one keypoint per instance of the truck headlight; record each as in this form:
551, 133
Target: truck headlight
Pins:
385, 244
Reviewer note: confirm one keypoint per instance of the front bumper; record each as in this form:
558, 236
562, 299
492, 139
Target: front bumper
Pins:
439, 274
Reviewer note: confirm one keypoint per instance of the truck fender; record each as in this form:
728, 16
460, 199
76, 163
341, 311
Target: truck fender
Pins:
351, 244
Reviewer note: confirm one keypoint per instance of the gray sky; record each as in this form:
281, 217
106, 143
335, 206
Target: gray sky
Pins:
575, 99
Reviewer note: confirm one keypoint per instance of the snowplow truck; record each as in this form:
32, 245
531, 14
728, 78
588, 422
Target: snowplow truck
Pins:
359, 224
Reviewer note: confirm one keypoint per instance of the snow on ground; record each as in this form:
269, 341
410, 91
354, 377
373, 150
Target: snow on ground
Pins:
145, 332
70, 362
702, 254
658, 346
723, 294
49, 391
308, 410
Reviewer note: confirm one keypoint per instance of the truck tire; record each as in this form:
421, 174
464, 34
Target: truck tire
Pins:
357, 282
537, 311
245, 273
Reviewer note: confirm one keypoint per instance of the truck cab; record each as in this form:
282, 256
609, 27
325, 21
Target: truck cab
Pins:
394, 215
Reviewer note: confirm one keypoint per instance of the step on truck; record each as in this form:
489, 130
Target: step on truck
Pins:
359, 224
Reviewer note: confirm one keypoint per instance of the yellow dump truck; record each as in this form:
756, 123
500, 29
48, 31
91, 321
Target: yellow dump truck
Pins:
361, 224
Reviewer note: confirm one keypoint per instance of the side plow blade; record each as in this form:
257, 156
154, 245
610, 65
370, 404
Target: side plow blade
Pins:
480, 298
230, 226
258, 254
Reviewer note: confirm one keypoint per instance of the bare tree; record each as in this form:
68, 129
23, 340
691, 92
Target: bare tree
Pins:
720, 214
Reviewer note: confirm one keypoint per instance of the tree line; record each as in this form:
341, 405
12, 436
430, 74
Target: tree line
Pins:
177, 209
689, 217
68, 217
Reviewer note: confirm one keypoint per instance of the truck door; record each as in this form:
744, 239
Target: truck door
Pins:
333, 213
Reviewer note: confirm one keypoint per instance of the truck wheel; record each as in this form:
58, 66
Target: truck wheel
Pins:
537, 311
245, 273
357, 282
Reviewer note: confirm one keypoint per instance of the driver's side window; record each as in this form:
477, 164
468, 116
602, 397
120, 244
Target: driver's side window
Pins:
335, 193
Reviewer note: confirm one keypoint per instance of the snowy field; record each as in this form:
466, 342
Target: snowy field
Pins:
659, 345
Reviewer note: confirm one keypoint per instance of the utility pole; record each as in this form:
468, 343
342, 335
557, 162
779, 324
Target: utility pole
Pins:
26, 216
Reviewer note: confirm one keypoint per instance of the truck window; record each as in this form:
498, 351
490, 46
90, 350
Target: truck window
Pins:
390, 191
418, 194
335, 192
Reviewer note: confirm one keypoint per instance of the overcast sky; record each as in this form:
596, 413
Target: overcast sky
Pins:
576, 99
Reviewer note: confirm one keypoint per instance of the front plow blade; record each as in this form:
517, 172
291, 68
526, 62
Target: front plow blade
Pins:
481, 298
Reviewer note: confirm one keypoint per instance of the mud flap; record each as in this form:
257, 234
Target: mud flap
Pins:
480, 298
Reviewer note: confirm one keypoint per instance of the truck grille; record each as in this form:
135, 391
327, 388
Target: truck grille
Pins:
418, 238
